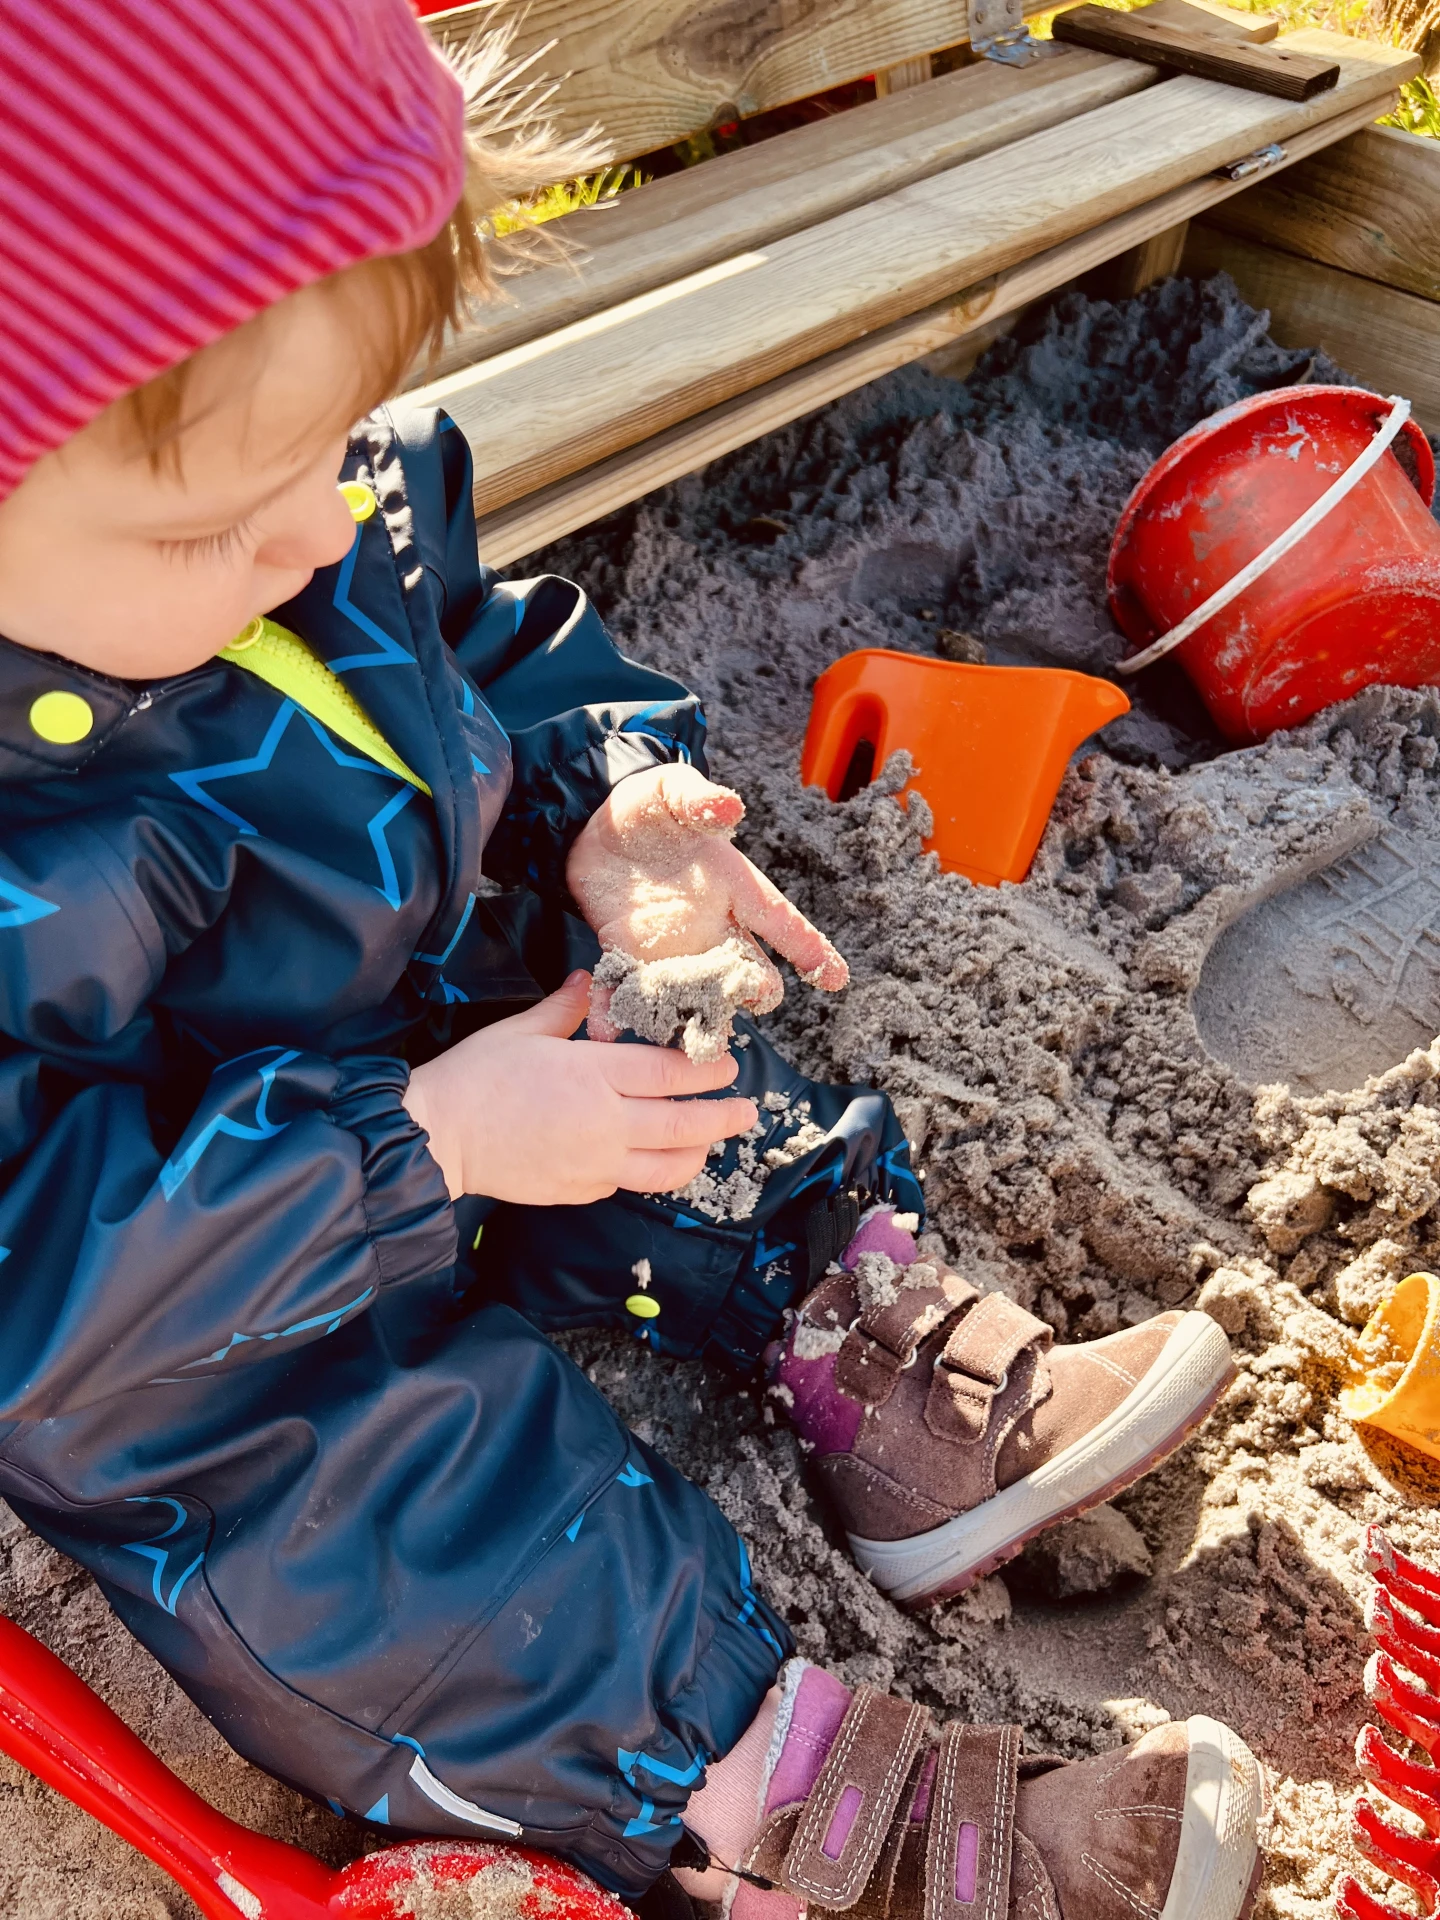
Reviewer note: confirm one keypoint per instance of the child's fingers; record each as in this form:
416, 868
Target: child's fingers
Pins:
599, 1025
664, 1073
668, 1125
675, 796
771, 990
699, 803
558, 1015
658, 1172
759, 905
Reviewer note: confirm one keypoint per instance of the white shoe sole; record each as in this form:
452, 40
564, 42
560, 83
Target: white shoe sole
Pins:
1190, 1372
1217, 1867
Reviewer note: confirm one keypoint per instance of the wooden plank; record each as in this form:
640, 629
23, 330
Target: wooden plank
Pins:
650, 72
523, 525
1388, 339
909, 73
958, 359
1282, 71
1155, 259
940, 335
687, 221
557, 404
1210, 16
1371, 206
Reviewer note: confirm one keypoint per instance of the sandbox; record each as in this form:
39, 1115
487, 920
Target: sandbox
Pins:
1084, 1148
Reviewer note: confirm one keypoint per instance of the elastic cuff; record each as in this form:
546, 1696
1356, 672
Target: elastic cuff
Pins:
407, 1204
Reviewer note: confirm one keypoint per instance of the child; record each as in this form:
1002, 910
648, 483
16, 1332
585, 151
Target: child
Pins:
292, 1121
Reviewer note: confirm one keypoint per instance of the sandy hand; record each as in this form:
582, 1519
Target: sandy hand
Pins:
658, 876
519, 1111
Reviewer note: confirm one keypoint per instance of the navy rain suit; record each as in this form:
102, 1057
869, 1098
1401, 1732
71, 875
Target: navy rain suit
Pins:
377, 1526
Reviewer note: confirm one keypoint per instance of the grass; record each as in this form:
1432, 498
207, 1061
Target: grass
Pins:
569, 196
1418, 111
1402, 22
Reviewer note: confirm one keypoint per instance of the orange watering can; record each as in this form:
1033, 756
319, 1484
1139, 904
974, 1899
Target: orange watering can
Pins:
990, 746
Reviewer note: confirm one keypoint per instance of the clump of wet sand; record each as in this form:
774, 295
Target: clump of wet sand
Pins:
692, 999
506, 1890
1082, 1151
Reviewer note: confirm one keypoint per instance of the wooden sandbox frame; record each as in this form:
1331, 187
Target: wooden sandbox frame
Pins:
706, 308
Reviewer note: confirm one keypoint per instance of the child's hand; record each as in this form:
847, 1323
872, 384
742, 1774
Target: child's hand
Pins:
657, 875
521, 1112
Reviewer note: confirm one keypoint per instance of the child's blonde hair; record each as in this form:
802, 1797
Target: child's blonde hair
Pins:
401, 307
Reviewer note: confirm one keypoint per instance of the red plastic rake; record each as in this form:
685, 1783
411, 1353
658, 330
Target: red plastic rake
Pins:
53, 1724
1407, 1650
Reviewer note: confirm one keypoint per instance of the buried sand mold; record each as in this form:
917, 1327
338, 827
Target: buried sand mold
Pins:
1082, 1150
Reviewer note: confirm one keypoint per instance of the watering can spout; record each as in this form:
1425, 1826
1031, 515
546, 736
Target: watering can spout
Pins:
1090, 705
989, 744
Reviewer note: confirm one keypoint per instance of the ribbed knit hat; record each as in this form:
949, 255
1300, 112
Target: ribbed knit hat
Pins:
170, 167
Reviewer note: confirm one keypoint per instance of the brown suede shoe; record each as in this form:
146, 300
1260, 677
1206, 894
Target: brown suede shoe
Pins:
897, 1827
947, 1431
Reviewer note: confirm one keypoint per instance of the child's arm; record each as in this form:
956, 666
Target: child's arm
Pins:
296, 1190
580, 716
609, 796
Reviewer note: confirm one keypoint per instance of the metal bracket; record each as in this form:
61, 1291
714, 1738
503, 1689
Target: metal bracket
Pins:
998, 32
1261, 161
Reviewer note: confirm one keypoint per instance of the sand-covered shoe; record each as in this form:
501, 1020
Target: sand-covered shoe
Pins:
948, 1430
866, 1812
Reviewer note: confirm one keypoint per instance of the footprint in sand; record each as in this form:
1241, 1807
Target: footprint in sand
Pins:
1335, 979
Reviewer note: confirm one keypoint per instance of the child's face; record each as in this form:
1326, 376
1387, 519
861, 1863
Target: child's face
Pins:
143, 573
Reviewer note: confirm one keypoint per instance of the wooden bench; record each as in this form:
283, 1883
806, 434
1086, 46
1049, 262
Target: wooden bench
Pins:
711, 306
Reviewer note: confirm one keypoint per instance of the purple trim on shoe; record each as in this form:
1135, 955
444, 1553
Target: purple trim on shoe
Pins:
819, 1412
878, 1234
967, 1859
749, 1903
821, 1703
922, 1793
847, 1812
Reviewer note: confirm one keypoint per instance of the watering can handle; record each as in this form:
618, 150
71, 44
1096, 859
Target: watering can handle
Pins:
1221, 598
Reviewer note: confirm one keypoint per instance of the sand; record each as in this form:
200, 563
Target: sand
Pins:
690, 1000
507, 1890
1082, 1150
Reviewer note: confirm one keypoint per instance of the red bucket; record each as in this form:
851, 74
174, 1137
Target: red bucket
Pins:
1357, 598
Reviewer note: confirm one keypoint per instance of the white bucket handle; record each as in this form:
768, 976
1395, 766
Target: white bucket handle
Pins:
1221, 598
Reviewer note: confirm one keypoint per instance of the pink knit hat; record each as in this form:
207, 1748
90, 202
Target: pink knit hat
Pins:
170, 167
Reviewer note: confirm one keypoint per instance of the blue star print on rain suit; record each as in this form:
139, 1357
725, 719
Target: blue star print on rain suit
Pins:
253, 1373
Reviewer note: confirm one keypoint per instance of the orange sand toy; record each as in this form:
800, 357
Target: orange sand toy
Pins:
1398, 1357
990, 746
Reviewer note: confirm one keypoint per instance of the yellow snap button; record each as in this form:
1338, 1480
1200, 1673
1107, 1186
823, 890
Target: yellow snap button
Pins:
643, 1307
359, 498
247, 635
61, 718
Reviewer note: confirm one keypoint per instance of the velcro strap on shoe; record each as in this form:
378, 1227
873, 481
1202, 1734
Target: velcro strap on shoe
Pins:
972, 1824
975, 1366
849, 1812
896, 1887
885, 1339
830, 1226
